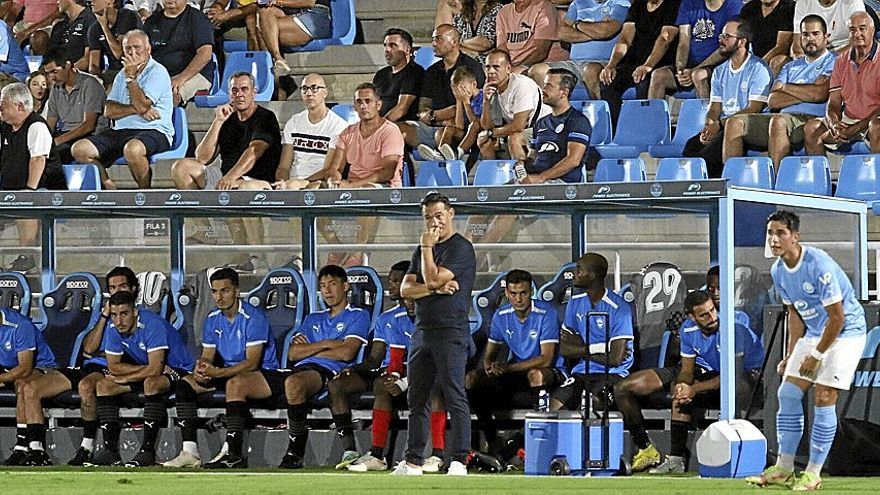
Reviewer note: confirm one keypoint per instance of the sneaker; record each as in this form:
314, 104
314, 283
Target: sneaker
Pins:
16, 458
645, 458
432, 464
143, 458
429, 153
456, 469
773, 475
184, 460
347, 458
672, 465
807, 482
104, 457
368, 463
449, 152
36, 458
281, 67
228, 461
23, 264
248, 266
404, 469
291, 461
81, 457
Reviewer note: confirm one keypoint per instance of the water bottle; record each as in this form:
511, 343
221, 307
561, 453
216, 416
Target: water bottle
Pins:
519, 170
543, 401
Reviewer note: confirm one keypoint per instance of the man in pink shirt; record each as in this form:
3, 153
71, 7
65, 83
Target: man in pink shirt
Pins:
36, 22
854, 95
526, 29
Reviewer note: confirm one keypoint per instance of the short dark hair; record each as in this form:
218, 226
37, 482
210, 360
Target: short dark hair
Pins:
402, 33
792, 221
123, 298
499, 51
367, 85
595, 263
225, 273
400, 266
517, 276
462, 73
566, 78
128, 273
334, 271
436, 197
743, 29
695, 299
714, 271
56, 55
815, 18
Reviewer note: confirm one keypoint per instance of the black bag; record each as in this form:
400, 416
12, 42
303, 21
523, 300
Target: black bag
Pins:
856, 449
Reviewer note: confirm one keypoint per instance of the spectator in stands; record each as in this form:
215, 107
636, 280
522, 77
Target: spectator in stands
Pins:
583, 338
511, 105
34, 24
71, 32
837, 15
75, 104
527, 32
647, 33
183, 41
156, 359
798, 95
740, 86
586, 20
23, 357
105, 38
458, 138
771, 21
400, 83
39, 86
698, 48
241, 14
292, 25
13, 66
854, 97
140, 105
475, 22
529, 329
437, 102
326, 343
238, 335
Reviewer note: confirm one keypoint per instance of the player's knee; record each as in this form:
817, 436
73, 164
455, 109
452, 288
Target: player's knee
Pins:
103, 388
154, 385
295, 390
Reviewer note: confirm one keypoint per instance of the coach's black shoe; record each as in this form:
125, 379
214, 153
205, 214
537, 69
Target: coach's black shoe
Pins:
291, 461
228, 461
144, 458
16, 458
104, 457
82, 456
36, 458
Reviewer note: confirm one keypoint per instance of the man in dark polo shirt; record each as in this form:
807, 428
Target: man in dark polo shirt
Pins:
400, 83
440, 279
437, 103
105, 38
70, 33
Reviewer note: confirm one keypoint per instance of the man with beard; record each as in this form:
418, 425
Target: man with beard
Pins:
400, 83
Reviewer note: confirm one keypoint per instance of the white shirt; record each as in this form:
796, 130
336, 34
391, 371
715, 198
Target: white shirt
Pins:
522, 94
311, 142
836, 17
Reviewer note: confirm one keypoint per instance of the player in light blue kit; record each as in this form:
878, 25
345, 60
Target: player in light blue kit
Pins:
827, 330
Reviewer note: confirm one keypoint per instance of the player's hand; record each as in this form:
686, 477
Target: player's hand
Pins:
684, 77
342, 374
118, 379
300, 339
389, 381
570, 338
430, 237
607, 75
641, 73
532, 179
809, 367
227, 183
684, 393
780, 368
709, 131
223, 112
448, 289
497, 369
151, 114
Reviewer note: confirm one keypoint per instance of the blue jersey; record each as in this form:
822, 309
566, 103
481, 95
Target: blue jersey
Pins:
18, 334
350, 323
598, 11
231, 339
705, 25
394, 328
801, 71
707, 348
734, 88
553, 133
13, 61
524, 338
578, 317
153, 334
815, 282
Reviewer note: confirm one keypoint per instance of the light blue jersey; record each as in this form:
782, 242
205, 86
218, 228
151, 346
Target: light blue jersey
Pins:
707, 348
578, 316
232, 338
153, 334
814, 283
524, 338
734, 88
156, 85
350, 323
801, 71
595, 11
18, 334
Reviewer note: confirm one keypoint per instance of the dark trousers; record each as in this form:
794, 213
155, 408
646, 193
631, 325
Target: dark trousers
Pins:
438, 356
623, 81
712, 152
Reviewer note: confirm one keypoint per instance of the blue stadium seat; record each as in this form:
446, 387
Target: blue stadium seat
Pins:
72, 309
82, 176
560, 289
367, 291
682, 169
442, 174
342, 32
805, 175
642, 123
620, 170
259, 64
494, 172
15, 292
691, 118
179, 143
230, 46
855, 148
346, 111
485, 302
754, 172
599, 116
858, 178
185, 310
425, 57
282, 296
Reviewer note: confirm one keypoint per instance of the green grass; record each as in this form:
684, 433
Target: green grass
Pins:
322, 481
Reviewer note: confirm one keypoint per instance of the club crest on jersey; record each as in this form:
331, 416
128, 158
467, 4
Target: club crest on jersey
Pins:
808, 288
533, 334
340, 327
8, 345
559, 128
142, 346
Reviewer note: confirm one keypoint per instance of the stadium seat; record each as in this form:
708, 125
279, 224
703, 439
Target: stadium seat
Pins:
259, 64
855, 148
282, 297
72, 308
346, 111
485, 302
155, 294
425, 57
179, 143
657, 293
599, 51
858, 178
367, 291
642, 123
230, 46
599, 116
691, 118
754, 172
15, 292
442, 174
185, 309
82, 176
34, 62
804, 175
620, 170
494, 172
342, 32
682, 169
560, 289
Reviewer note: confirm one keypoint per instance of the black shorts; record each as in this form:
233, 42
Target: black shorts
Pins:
173, 375
326, 375
275, 379
76, 375
569, 393
111, 143
710, 399
667, 375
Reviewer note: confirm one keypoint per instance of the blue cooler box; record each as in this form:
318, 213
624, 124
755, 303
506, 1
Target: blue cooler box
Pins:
550, 435
731, 449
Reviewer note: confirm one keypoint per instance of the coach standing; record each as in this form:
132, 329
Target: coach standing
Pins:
440, 280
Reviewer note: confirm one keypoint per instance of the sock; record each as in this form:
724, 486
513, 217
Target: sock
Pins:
679, 434
37, 435
108, 415
438, 430
345, 430
186, 412
381, 425
191, 447
236, 412
821, 436
154, 415
640, 436
297, 431
789, 423
21, 437
90, 431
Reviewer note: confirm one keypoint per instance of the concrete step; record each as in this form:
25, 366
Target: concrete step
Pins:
415, 16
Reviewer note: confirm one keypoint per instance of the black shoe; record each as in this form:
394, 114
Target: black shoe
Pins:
228, 461
143, 458
291, 461
104, 457
82, 456
16, 458
37, 458
23, 264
